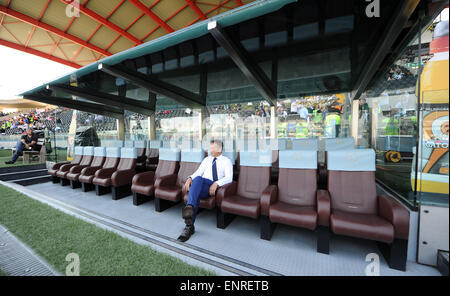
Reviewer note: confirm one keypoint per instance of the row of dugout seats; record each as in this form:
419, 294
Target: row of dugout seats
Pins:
348, 206
147, 160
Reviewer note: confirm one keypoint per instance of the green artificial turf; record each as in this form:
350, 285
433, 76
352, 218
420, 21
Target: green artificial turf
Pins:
53, 235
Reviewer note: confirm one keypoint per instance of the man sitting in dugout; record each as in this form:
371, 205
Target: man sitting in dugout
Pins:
215, 171
27, 142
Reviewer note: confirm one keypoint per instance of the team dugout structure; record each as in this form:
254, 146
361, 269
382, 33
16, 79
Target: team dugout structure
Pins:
263, 50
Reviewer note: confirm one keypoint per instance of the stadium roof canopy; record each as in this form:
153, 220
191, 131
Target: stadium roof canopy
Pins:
21, 104
267, 49
53, 29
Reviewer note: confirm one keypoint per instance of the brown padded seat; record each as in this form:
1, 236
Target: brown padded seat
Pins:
365, 226
170, 187
299, 216
357, 211
142, 157
254, 179
126, 169
144, 183
242, 206
205, 203
55, 168
78, 155
141, 147
332, 144
172, 193
353, 191
88, 157
103, 177
152, 158
210, 202
110, 163
153, 155
354, 206
85, 160
276, 145
122, 174
297, 202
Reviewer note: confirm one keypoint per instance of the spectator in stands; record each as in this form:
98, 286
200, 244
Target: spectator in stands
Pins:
27, 142
302, 111
294, 107
364, 109
324, 112
310, 108
282, 112
266, 112
99, 119
333, 123
215, 171
17, 123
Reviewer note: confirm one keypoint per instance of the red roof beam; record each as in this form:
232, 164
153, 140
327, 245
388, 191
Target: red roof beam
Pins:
218, 6
3, 16
196, 9
38, 53
50, 44
39, 19
210, 11
41, 25
98, 18
166, 20
212, 4
151, 15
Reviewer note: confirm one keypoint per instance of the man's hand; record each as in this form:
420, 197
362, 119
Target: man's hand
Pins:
188, 184
213, 188
27, 146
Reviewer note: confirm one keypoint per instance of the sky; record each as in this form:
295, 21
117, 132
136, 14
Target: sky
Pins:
444, 15
21, 71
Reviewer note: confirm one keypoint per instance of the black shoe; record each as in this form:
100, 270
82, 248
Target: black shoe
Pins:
9, 162
187, 214
187, 232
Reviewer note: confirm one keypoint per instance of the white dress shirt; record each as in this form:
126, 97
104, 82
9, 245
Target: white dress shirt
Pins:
224, 170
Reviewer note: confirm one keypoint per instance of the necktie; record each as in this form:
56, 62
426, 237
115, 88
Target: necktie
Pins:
214, 170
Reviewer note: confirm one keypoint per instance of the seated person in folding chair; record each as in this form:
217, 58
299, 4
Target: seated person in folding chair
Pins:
27, 142
215, 171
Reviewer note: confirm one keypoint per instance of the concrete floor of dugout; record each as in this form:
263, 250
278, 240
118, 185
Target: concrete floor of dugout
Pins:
292, 251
